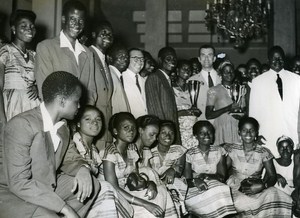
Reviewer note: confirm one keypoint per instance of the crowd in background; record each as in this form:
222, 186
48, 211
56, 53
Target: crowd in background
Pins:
102, 130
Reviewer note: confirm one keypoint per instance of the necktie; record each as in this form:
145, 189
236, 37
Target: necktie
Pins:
279, 84
210, 81
122, 81
137, 82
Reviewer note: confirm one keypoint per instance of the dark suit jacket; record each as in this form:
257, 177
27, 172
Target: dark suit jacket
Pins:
104, 86
51, 57
160, 99
30, 164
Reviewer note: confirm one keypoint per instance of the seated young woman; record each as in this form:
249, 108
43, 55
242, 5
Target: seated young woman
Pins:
205, 171
120, 160
89, 124
253, 195
168, 161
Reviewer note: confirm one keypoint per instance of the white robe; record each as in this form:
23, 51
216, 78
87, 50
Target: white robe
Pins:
276, 117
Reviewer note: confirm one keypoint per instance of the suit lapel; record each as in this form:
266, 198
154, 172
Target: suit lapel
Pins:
101, 67
50, 150
64, 134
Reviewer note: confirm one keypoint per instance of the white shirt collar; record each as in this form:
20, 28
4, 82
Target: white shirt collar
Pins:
49, 127
166, 75
65, 43
99, 53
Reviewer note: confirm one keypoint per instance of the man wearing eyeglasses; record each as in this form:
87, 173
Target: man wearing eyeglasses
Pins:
134, 85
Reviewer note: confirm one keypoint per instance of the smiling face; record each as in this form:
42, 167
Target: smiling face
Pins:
104, 38
90, 123
148, 134
121, 60
24, 30
207, 58
136, 62
253, 70
285, 149
184, 71
126, 131
276, 61
205, 136
227, 74
73, 23
166, 136
168, 61
248, 133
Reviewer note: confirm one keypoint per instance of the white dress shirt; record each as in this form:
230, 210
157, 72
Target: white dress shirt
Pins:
50, 127
65, 43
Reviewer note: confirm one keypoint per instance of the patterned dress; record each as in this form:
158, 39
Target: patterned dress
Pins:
271, 202
216, 201
186, 123
226, 126
109, 203
170, 160
123, 169
18, 76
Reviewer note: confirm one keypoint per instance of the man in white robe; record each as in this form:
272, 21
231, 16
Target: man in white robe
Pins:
276, 115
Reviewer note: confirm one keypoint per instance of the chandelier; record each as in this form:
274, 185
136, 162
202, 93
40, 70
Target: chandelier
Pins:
238, 20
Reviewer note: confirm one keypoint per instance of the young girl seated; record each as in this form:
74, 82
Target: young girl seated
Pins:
284, 165
89, 125
120, 160
288, 170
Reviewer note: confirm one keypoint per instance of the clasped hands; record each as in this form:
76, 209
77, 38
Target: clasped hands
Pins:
251, 186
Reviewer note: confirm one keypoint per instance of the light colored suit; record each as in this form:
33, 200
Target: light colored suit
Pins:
119, 98
136, 99
51, 57
31, 179
202, 98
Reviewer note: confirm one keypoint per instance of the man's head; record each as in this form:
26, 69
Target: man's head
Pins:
73, 19
64, 90
276, 58
207, 56
136, 60
167, 59
102, 35
117, 56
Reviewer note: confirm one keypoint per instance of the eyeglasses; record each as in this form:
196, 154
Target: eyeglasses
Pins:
136, 59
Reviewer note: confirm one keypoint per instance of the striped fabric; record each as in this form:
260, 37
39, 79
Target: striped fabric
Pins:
123, 169
269, 203
110, 204
216, 201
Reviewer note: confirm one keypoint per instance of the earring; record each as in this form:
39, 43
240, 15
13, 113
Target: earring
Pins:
14, 32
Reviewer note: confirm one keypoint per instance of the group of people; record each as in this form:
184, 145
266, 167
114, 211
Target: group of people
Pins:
103, 131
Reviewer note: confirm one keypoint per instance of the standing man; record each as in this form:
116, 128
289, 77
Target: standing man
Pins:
159, 92
42, 173
208, 76
118, 60
102, 36
134, 84
275, 100
65, 53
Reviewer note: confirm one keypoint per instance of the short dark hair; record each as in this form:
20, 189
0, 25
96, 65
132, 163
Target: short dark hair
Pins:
117, 118
100, 25
202, 123
162, 52
71, 5
206, 46
112, 50
17, 15
250, 120
274, 49
147, 120
59, 83
169, 124
253, 61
